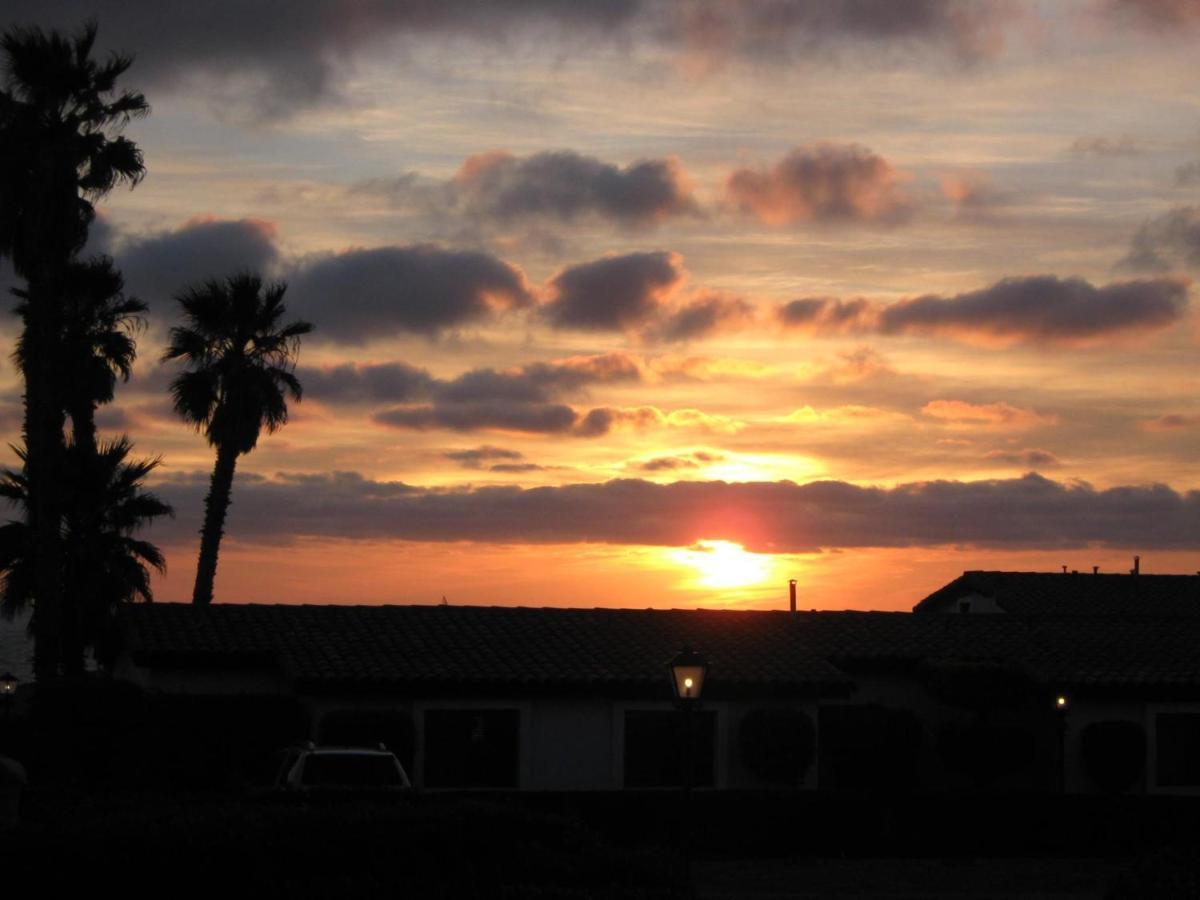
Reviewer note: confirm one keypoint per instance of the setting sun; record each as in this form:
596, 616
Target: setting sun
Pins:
724, 564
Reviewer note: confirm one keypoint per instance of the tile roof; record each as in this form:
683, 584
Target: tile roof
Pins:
1082, 594
484, 647
623, 651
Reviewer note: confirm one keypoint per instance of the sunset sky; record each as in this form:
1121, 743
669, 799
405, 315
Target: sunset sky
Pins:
665, 303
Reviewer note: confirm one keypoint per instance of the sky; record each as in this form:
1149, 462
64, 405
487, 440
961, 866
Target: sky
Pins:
661, 304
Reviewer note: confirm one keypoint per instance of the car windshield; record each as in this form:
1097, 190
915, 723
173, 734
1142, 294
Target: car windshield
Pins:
351, 770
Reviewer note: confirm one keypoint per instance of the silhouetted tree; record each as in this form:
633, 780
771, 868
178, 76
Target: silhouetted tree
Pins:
96, 347
59, 110
109, 556
241, 362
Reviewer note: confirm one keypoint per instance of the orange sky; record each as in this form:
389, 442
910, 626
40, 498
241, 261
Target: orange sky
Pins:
604, 293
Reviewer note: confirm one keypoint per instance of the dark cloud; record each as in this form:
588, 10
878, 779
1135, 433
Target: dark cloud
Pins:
825, 183
475, 457
516, 468
566, 186
501, 415
158, 266
524, 399
1030, 457
617, 293
350, 383
1166, 241
1172, 422
1125, 145
269, 59
1160, 15
1031, 512
676, 463
702, 317
1039, 309
360, 295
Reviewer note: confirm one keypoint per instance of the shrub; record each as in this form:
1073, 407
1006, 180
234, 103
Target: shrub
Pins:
870, 746
777, 744
1114, 753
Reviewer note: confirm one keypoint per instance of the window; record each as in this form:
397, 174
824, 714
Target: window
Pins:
471, 748
1177, 752
653, 742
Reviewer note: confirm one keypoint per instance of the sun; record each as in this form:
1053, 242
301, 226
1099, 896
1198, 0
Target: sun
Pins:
724, 564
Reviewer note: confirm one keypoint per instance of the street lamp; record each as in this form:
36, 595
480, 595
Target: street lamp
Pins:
687, 669
8, 687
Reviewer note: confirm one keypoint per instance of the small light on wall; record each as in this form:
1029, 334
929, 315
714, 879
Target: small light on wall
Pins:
1060, 702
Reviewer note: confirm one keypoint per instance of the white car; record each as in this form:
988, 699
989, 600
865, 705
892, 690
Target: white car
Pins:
309, 767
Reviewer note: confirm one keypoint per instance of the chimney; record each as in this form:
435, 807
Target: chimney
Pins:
792, 594
1137, 566
1064, 570
1095, 570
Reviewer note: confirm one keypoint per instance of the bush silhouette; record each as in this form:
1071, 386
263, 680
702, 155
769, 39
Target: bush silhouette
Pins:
777, 744
985, 751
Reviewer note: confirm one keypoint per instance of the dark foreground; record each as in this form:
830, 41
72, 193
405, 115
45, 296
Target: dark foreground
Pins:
434, 846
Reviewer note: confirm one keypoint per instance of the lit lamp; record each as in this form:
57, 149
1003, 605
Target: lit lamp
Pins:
687, 669
1061, 703
8, 687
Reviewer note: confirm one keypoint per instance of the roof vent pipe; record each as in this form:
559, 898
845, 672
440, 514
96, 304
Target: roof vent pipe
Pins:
1095, 570
792, 594
1137, 566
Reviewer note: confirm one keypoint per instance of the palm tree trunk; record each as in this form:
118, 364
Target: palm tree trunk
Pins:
82, 513
216, 504
44, 445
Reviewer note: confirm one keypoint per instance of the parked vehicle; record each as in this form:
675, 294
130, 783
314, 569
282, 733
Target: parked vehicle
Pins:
308, 767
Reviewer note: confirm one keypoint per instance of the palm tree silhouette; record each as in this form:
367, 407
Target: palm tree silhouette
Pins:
241, 365
59, 152
108, 555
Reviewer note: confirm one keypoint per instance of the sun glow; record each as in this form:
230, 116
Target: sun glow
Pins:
724, 564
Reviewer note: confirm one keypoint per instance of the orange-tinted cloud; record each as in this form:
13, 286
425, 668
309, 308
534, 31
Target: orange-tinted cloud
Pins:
988, 415
824, 183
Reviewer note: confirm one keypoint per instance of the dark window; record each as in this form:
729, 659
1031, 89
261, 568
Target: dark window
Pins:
350, 770
653, 745
1178, 749
471, 747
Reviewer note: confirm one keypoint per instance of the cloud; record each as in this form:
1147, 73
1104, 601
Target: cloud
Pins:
616, 293
350, 383
1172, 422
268, 61
475, 457
676, 463
701, 317
1101, 146
824, 183
1036, 309
548, 418
565, 186
1031, 512
844, 416
360, 295
158, 266
988, 415
1188, 173
1029, 458
1160, 15
975, 197
1166, 241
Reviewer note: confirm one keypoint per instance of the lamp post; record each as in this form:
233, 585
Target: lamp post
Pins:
1061, 704
687, 669
8, 687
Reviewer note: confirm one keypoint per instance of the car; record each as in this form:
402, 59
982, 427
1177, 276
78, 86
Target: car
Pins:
307, 767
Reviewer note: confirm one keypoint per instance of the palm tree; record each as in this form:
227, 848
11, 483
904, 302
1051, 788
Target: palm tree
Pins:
241, 366
97, 345
108, 556
59, 152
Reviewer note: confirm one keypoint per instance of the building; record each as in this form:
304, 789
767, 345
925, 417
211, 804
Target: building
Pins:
579, 699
